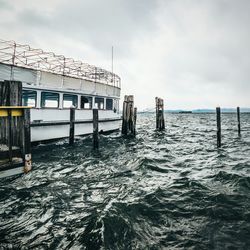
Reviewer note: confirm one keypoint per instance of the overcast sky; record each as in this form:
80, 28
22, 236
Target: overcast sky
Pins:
192, 53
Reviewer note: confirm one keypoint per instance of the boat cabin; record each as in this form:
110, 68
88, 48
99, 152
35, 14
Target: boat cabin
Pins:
52, 84
63, 100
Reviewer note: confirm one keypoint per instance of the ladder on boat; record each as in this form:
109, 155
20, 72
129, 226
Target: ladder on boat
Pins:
15, 143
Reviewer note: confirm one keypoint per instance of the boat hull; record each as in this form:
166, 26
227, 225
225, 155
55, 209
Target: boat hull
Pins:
54, 124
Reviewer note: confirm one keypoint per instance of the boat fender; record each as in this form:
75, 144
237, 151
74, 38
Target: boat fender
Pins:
27, 166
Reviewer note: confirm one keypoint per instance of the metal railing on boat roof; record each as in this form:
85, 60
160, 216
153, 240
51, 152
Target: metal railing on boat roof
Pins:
15, 54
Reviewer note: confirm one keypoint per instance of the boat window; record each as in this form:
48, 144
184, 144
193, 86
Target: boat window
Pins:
99, 102
49, 100
109, 104
69, 101
29, 98
86, 102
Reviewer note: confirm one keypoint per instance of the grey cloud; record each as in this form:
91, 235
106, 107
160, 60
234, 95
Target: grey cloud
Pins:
33, 18
5, 5
101, 23
184, 50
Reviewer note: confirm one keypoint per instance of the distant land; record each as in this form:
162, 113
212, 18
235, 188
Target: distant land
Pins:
223, 110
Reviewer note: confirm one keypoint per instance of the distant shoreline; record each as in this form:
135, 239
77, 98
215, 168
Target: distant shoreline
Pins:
194, 112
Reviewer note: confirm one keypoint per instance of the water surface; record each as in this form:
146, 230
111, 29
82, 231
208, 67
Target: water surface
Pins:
161, 190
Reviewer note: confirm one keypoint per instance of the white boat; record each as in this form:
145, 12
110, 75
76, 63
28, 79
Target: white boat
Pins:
52, 84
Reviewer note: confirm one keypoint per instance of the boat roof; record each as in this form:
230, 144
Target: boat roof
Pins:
12, 53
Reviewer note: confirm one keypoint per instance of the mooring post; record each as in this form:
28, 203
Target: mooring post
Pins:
128, 115
10, 136
162, 114
11, 95
238, 119
218, 119
72, 126
15, 99
160, 122
95, 129
157, 112
124, 116
27, 141
135, 118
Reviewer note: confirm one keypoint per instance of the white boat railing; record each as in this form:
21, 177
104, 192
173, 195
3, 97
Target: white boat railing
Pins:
15, 54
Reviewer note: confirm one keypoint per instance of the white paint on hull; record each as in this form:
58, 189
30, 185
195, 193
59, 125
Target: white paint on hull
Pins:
61, 131
41, 133
10, 172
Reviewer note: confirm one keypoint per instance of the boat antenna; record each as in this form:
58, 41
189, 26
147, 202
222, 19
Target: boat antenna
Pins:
112, 62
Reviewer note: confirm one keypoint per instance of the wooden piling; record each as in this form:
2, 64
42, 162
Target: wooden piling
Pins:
157, 112
10, 136
72, 126
218, 119
27, 141
238, 120
135, 118
14, 127
11, 95
128, 118
95, 129
130, 114
124, 116
160, 122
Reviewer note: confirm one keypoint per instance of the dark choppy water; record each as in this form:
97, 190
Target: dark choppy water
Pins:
161, 190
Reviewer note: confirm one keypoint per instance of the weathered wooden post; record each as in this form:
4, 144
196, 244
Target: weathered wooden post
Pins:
162, 116
157, 112
218, 119
27, 141
160, 122
238, 119
124, 116
72, 126
95, 129
15, 128
11, 95
128, 118
130, 114
135, 118
10, 135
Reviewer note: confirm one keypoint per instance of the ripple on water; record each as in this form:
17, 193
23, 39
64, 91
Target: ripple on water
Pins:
161, 190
